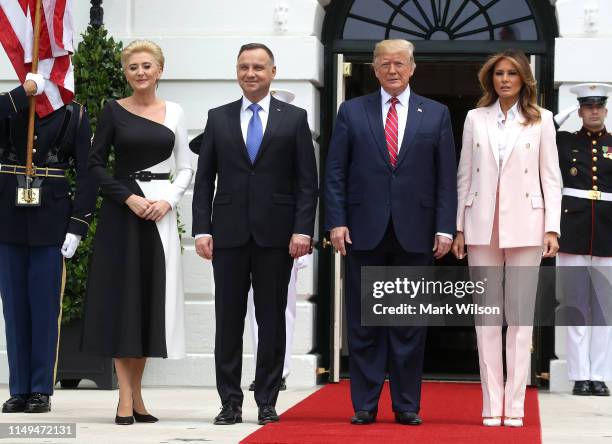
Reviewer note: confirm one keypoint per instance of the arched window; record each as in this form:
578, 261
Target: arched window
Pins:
440, 20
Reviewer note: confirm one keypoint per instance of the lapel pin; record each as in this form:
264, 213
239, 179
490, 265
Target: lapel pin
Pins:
419, 110
278, 109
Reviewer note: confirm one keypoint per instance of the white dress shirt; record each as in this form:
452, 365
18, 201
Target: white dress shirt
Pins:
402, 112
504, 123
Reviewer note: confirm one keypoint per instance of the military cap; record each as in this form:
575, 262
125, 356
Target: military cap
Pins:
283, 95
592, 93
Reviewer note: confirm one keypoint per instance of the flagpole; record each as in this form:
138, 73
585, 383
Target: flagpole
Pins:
32, 110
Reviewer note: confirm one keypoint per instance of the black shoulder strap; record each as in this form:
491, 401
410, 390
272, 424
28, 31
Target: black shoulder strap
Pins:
9, 133
81, 112
5, 137
12, 152
65, 136
62, 132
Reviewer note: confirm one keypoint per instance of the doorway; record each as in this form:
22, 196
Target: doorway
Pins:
452, 82
452, 38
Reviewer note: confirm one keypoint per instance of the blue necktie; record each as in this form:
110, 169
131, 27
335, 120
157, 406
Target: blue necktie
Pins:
254, 132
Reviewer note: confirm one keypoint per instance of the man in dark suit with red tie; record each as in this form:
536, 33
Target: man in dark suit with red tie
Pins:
260, 152
390, 195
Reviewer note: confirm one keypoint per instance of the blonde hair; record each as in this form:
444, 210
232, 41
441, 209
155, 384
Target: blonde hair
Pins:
394, 45
527, 103
143, 46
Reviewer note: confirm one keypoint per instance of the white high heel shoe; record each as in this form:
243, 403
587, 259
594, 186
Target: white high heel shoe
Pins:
491, 422
513, 422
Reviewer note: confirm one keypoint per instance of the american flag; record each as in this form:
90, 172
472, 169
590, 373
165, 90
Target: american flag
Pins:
56, 46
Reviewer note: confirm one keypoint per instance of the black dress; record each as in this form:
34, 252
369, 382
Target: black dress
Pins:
134, 304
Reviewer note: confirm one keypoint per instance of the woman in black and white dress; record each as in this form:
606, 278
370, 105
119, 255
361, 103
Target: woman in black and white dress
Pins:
134, 305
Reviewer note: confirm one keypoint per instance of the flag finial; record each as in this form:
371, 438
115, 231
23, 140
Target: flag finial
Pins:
96, 14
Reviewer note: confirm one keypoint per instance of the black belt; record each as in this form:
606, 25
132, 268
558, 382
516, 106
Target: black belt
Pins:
36, 171
146, 176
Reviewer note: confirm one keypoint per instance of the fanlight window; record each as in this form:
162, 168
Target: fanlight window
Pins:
440, 20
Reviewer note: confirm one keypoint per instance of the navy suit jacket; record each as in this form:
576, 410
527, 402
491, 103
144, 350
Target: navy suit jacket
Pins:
363, 191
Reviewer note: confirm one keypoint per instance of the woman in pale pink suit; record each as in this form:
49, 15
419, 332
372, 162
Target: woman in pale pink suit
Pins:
509, 200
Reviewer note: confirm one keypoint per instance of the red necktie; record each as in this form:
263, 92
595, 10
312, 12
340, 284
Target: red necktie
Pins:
391, 126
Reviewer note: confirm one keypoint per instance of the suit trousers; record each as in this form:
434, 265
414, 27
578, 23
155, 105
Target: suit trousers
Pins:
268, 269
589, 348
31, 285
516, 294
374, 351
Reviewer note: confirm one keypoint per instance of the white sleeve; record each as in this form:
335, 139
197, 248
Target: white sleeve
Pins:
182, 158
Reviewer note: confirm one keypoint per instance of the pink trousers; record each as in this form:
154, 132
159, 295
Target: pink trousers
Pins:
516, 295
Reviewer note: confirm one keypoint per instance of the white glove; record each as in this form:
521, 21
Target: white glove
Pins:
39, 80
301, 262
70, 245
564, 115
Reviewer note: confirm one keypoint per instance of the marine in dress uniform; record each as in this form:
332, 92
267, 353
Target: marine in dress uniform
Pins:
585, 158
33, 239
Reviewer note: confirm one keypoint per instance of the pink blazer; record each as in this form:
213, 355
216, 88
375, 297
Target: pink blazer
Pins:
529, 182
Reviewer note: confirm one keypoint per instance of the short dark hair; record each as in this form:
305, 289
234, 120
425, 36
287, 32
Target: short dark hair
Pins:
251, 46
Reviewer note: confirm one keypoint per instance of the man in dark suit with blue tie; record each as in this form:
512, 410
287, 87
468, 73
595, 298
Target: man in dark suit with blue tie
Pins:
260, 151
390, 195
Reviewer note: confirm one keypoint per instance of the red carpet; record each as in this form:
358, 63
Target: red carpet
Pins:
450, 411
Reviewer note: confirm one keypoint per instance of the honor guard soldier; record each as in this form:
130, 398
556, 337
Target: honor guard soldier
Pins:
585, 158
36, 233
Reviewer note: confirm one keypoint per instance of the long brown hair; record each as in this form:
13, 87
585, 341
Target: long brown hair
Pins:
527, 103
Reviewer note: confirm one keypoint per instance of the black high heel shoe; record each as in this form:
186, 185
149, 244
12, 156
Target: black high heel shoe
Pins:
123, 420
144, 418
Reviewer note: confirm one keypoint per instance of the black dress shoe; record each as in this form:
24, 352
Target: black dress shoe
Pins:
15, 404
230, 414
252, 386
582, 388
38, 403
599, 388
408, 418
267, 414
123, 420
363, 417
139, 417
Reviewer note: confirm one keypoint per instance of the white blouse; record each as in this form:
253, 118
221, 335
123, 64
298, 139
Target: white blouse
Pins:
504, 124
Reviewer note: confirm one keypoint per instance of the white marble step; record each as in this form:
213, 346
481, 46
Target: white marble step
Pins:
199, 370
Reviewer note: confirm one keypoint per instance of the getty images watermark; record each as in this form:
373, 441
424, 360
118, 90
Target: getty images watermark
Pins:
467, 296
411, 289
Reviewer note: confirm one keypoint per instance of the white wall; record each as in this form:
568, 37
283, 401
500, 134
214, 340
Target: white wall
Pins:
201, 48
582, 48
